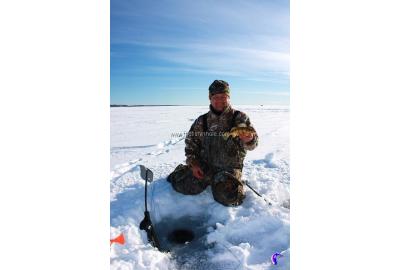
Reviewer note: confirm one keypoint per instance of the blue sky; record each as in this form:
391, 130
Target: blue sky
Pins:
169, 52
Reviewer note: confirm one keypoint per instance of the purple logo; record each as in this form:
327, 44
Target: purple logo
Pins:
274, 258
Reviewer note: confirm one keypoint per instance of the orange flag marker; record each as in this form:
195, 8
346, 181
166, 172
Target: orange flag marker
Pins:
120, 239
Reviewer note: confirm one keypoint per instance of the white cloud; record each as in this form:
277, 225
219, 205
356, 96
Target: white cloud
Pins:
221, 59
237, 38
269, 93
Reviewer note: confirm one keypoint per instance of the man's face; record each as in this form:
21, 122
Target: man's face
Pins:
219, 101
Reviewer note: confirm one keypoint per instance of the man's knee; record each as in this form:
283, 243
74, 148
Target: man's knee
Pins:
228, 189
183, 181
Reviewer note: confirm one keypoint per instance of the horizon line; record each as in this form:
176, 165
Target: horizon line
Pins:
155, 105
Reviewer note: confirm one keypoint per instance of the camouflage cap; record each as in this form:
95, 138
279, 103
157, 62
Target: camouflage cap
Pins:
219, 87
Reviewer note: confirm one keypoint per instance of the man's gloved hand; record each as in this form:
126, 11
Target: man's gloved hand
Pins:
197, 172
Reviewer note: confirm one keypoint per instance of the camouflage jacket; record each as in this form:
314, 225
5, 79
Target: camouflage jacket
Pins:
211, 148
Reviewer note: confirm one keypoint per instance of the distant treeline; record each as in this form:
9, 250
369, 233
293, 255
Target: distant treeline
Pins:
115, 105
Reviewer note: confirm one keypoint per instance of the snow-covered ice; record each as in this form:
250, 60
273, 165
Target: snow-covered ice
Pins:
242, 237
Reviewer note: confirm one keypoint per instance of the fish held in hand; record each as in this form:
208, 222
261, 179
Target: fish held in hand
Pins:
241, 130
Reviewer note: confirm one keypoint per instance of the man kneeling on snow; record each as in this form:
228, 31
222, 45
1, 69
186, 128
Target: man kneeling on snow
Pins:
213, 155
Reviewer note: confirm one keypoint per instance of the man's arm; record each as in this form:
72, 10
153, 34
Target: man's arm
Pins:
193, 143
242, 118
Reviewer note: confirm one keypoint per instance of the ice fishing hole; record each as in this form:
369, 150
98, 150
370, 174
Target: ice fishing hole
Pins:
181, 236
185, 238
186, 234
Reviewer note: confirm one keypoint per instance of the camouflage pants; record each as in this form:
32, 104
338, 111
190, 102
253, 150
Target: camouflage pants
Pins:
226, 185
